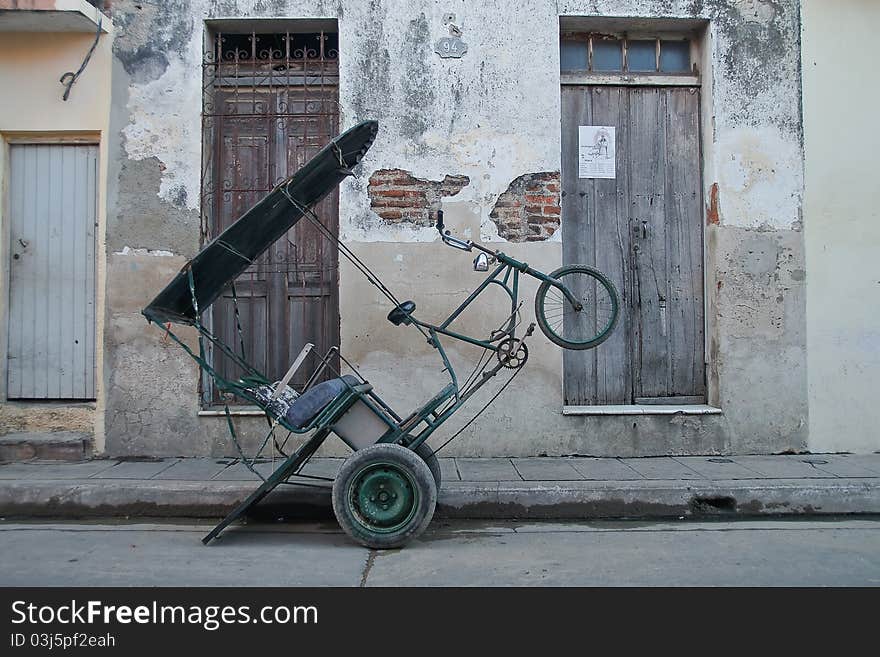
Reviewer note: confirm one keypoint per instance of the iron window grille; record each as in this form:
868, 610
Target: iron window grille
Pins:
242, 69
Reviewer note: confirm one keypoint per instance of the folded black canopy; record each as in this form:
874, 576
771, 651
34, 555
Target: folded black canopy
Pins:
235, 249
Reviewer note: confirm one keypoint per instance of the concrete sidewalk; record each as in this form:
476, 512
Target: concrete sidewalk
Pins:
528, 488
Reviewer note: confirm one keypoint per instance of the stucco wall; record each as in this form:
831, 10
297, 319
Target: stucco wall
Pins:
842, 230
493, 116
32, 107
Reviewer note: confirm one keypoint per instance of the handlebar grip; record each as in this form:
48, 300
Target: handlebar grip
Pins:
449, 239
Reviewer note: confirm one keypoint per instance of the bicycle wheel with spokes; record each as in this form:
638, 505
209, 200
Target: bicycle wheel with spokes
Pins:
565, 324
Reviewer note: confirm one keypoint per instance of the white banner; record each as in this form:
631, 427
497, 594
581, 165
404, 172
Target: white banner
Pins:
597, 152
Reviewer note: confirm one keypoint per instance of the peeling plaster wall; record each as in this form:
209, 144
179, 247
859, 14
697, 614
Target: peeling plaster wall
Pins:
492, 116
398, 197
529, 210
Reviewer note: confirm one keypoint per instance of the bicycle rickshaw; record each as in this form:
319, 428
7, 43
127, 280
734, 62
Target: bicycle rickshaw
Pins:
385, 492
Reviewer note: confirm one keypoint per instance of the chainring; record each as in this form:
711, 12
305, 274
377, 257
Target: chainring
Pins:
512, 353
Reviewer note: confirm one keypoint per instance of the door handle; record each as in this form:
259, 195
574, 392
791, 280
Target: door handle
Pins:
643, 230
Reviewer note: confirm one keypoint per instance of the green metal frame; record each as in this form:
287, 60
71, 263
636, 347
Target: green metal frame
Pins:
508, 266
506, 275
230, 253
322, 424
410, 432
426, 419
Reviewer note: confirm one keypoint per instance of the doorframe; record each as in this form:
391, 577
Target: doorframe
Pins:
62, 138
701, 48
210, 28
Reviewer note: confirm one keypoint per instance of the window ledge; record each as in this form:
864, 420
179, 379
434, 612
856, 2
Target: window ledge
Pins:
642, 409
631, 79
57, 16
240, 411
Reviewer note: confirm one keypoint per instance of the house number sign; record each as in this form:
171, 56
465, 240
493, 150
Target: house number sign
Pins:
451, 46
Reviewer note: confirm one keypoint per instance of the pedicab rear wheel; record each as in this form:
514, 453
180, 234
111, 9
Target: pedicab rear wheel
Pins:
384, 496
424, 450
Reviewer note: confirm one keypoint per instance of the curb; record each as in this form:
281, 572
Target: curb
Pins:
660, 499
460, 500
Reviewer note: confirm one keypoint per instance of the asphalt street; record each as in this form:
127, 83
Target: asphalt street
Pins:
825, 552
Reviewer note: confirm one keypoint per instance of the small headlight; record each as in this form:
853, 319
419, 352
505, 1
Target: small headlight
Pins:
481, 262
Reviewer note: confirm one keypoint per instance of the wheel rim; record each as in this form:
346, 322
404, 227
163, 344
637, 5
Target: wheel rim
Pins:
590, 324
383, 497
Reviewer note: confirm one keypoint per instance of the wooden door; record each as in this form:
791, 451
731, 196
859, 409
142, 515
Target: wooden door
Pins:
52, 214
644, 229
290, 295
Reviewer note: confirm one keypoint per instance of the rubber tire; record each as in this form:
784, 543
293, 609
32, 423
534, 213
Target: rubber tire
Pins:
427, 454
542, 322
404, 458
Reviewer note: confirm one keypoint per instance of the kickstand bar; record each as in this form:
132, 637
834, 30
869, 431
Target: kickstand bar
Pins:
281, 474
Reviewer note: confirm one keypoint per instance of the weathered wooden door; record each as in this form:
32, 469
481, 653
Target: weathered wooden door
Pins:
265, 129
644, 229
51, 326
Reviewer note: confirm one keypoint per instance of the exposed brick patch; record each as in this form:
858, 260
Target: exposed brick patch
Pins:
529, 210
398, 196
712, 215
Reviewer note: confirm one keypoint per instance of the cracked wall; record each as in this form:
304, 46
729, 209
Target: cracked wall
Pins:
397, 196
529, 209
492, 118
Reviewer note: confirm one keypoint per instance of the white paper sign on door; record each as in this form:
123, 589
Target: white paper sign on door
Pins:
597, 152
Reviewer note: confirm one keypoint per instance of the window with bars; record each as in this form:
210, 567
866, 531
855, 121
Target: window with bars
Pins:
602, 54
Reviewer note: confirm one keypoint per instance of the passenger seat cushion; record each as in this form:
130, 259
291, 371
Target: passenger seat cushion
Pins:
314, 400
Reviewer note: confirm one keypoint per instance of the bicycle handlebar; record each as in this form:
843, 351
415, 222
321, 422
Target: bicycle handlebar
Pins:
448, 239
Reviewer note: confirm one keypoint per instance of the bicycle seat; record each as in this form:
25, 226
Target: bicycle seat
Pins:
313, 401
400, 315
